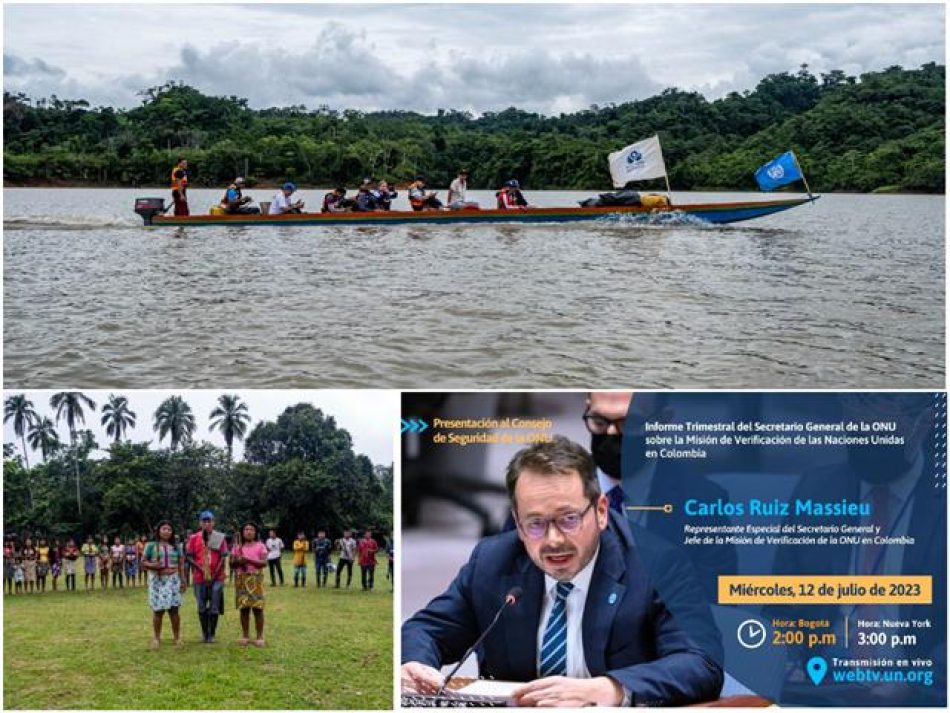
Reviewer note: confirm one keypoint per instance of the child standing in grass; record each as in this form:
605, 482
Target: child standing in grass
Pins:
140, 552
248, 560
70, 555
9, 565
90, 555
105, 556
55, 562
163, 562
301, 547
18, 576
42, 564
117, 552
131, 563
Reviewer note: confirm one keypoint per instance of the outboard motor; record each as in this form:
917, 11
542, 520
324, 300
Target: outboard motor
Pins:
148, 208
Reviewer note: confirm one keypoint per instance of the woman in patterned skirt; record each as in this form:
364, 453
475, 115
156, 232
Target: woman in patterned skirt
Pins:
248, 560
162, 560
28, 557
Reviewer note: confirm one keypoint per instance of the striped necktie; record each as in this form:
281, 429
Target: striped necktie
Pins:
553, 659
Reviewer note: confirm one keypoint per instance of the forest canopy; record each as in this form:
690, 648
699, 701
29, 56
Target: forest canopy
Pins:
878, 131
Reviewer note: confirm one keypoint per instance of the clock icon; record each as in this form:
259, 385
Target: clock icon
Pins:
751, 633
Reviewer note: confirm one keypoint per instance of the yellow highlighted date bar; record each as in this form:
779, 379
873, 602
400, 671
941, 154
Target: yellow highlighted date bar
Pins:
825, 589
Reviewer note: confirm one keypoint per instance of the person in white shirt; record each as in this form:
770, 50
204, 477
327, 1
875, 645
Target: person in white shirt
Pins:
457, 193
281, 203
275, 548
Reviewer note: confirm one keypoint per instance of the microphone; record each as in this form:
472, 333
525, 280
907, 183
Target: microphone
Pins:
511, 598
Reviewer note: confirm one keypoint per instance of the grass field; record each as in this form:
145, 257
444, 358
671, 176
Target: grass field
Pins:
326, 649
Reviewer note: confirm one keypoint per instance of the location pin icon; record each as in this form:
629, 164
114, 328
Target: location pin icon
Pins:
816, 667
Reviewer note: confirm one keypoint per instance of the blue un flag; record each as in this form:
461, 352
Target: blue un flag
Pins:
779, 172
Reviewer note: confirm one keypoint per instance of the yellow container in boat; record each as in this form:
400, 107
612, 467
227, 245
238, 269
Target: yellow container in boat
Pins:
654, 200
216, 210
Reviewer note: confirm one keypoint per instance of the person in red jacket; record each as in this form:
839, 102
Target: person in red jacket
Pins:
510, 197
367, 552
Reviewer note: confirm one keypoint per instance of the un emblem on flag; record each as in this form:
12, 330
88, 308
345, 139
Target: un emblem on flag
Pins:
776, 172
634, 157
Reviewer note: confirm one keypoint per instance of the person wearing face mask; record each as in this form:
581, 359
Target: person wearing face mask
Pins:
586, 625
616, 421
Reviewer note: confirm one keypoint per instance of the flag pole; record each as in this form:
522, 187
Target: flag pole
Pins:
669, 190
804, 180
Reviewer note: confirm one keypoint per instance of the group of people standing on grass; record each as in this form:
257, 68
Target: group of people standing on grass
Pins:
204, 560
349, 549
27, 565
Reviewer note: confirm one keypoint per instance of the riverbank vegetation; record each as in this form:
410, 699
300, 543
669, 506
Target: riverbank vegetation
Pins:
880, 130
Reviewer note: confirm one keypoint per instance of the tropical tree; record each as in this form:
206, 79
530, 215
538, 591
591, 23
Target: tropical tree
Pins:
174, 418
231, 418
42, 437
69, 405
117, 417
20, 410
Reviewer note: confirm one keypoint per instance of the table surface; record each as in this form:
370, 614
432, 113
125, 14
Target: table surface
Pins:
747, 701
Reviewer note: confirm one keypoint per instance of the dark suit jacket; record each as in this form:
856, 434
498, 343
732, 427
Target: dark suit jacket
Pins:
628, 632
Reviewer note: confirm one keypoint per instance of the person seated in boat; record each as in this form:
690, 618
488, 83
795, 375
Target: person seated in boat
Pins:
336, 201
180, 186
419, 199
365, 198
235, 202
510, 196
281, 203
457, 193
384, 195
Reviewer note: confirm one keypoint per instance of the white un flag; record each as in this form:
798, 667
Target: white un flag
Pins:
637, 162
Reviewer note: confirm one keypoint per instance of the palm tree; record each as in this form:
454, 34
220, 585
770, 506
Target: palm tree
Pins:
231, 418
173, 418
20, 409
68, 405
117, 417
43, 437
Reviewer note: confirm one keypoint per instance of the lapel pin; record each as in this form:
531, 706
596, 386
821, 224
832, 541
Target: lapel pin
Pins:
612, 599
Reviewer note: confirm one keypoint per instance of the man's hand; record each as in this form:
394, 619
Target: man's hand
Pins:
563, 692
418, 678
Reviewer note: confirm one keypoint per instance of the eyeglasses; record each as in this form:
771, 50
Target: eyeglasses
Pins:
598, 424
568, 523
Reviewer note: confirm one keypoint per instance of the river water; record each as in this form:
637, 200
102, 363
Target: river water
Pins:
848, 292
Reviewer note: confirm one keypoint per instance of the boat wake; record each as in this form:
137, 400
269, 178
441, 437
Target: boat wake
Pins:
663, 219
67, 222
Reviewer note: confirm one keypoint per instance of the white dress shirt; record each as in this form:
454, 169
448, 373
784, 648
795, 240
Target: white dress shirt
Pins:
575, 603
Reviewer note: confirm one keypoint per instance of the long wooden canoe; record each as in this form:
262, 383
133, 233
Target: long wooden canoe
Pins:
717, 213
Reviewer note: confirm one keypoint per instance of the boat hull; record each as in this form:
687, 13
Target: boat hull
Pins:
715, 213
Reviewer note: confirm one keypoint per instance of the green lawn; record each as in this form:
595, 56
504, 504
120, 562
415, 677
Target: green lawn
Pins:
326, 649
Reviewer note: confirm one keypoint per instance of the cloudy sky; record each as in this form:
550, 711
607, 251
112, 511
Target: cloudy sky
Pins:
369, 416
484, 57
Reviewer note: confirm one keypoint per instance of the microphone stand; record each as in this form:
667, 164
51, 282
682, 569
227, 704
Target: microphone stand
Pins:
510, 600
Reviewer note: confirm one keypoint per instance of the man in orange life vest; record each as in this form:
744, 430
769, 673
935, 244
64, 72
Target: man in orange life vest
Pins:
180, 186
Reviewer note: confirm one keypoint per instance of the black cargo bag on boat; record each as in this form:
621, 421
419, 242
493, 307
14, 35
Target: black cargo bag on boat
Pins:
622, 197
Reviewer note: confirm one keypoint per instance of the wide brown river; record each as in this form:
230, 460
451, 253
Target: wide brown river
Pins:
848, 292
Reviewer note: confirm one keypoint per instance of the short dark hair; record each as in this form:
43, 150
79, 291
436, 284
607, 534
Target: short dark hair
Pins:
558, 456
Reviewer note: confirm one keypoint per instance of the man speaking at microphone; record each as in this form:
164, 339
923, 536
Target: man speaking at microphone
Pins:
587, 628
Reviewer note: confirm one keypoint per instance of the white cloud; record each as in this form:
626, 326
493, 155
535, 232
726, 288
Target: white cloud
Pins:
547, 58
